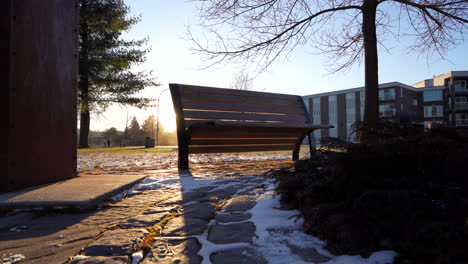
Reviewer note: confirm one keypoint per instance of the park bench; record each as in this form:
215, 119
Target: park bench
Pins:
217, 120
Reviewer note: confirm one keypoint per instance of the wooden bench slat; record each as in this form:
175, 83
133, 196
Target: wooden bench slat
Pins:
227, 149
243, 116
241, 141
235, 124
242, 134
199, 105
194, 96
222, 91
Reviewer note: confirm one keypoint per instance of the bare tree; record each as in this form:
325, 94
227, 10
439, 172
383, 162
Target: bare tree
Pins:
257, 32
242, 81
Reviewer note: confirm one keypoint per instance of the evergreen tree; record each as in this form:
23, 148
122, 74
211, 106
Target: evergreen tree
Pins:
105, 61
135, 133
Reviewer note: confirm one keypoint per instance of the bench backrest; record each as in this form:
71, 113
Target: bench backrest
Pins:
206, 103
280, 113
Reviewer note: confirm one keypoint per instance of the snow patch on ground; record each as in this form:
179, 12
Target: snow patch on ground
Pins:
137, 257
10, 259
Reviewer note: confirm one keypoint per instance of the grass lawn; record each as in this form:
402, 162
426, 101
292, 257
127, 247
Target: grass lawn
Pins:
133, 149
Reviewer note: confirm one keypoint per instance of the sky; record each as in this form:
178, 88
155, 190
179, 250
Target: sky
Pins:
303, 72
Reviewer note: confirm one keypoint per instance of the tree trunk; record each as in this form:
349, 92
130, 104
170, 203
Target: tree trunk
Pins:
84, 87
84, 128
371, 104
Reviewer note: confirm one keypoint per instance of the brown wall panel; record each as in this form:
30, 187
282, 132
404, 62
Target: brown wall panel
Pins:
341, 116
44, 71
324, 117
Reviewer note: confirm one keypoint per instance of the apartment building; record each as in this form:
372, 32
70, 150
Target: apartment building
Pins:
427, 102
445, 99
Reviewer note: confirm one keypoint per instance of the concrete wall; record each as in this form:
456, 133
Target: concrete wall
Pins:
42, 41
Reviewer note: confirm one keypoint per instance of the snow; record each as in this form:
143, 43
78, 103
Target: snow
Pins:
10, 259
137, 257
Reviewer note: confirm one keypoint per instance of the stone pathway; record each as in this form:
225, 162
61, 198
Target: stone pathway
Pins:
207, 224
208, 216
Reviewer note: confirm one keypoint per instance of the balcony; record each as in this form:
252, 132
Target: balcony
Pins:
462, 123
462, 106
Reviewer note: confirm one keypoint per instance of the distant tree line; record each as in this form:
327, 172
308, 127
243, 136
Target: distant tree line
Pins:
133, 135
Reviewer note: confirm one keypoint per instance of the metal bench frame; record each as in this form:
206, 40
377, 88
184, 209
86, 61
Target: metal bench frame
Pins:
218, 120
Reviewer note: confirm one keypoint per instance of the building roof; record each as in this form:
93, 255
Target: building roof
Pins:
439, 80
381, 86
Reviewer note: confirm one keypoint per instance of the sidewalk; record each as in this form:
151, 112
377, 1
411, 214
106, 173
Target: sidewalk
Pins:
81, 193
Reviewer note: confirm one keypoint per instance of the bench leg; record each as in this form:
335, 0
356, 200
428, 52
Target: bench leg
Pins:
183, 141
295, 155
311, 146
183, 158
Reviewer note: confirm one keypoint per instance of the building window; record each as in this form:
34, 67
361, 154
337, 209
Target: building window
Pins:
387, 110
316, 117
461, 85
415, 101
434, 95
461, 120
431, 124
350, 115
332, 115
387, 94
433, 111
461, 103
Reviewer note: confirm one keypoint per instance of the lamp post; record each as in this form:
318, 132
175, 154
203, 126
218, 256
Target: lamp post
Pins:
157, 118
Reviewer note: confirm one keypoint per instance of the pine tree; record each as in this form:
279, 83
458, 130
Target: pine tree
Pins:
105, 61
135, 133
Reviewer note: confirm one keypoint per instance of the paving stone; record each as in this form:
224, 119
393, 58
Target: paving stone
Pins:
233, 233
248, 191
183, 226
143, 220
109, 216
58, 220
221, 194
174, 251
116, 242
234, 217
194, 196
237, 256
102, 260
16, 220
205, 188
308, 254
175, 199
46, 246
144, 198
158, 209
238, 204
204, 210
